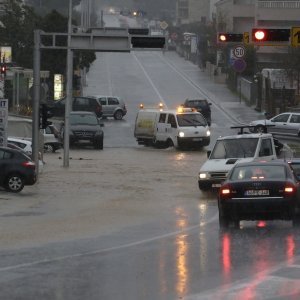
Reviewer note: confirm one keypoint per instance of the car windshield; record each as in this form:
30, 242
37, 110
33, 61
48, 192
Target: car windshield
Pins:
234, 148
191, 120
82, 119
254, 172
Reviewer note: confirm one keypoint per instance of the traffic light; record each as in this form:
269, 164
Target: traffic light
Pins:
225, 37
261, 35
3, 69
138, 31
148, 42
45, 114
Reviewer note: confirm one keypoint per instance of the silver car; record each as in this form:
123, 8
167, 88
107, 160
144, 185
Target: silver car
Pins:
112, 106
287, 123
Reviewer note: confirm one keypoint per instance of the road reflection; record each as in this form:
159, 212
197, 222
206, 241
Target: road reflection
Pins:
181, 255
260, 249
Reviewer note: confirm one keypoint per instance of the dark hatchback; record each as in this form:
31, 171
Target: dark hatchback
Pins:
85, 128
78, 104
259, 191
202, 106
16, 170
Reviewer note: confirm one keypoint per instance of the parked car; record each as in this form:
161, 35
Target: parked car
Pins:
25, 145
202, 106
16, 170
85, 127
287, 123
52, 141
259, 191
78, 104
112, 106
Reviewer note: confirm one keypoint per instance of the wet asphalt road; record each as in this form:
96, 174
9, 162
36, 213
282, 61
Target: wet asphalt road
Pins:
129, 222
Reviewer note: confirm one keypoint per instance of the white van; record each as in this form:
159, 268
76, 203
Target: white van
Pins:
180, 128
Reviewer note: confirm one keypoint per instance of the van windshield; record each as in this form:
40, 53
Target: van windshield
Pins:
191, 120
234, 148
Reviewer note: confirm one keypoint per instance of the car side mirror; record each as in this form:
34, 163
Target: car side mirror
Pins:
209, 103
208, 153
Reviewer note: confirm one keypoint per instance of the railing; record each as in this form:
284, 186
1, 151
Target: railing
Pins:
279, 4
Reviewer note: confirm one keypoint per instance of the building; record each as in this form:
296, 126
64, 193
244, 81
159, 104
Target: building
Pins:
192, 11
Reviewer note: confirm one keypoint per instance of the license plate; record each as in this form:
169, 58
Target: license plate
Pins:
257, 193
216, 185
197, 139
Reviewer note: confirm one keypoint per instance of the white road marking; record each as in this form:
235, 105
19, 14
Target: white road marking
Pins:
133, 244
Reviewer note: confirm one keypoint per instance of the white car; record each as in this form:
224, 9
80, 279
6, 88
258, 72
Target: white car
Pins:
287, 123
22, 143
230, 150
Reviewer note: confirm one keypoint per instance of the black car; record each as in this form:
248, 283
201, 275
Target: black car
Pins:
78, 104
259, 191
16, 170
202, 106
85, 127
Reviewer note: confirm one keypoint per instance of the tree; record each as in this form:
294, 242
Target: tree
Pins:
19, 22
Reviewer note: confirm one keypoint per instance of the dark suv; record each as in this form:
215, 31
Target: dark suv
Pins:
85, 127
78, 104
202, 106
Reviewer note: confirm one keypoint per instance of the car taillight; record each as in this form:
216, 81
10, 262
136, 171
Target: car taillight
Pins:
28, 164
98, 108
225, 191
288, 189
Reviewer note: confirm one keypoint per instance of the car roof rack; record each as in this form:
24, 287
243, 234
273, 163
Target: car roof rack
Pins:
242, 127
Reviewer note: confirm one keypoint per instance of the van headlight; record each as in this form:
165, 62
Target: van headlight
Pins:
203, 175
181, 134
208, 132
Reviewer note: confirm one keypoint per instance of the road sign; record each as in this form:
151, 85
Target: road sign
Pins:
239, 51
295, 36
246, 38
239, 65
164, 25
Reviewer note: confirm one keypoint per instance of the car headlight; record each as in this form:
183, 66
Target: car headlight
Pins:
203, 175
181, 134
208, 132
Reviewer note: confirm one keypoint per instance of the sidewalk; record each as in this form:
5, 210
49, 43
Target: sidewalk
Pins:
220, 95
228, 101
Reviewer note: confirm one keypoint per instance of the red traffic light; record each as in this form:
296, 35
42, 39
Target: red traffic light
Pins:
222, 37
3, 69
226, 37
270, 35
259, 35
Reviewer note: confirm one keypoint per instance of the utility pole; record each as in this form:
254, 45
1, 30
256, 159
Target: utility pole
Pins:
69, 91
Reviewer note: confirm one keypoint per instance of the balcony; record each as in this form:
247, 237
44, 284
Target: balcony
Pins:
279, 4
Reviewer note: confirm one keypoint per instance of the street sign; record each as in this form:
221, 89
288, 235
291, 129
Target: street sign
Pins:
239, 51
246, 38
239, 65
295, 36
164, 25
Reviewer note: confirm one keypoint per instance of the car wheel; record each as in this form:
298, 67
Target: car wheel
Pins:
260, 129
170, 143
49, 148
99, 145
118, 115
223, 221
14, 183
